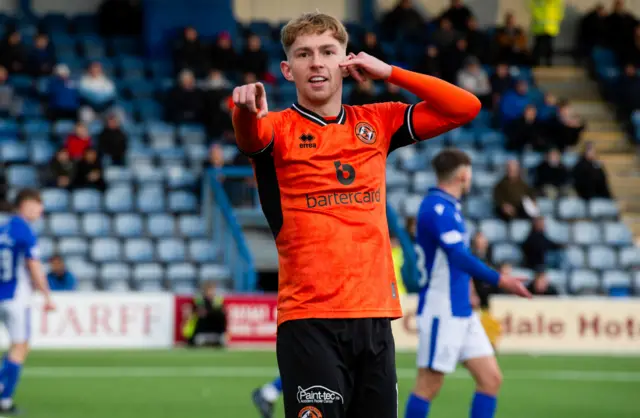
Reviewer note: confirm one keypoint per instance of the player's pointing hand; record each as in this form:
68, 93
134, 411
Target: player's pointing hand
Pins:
514, 286
252, 97
369, 66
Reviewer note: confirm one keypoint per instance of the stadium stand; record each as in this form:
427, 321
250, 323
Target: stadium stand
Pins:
154, 227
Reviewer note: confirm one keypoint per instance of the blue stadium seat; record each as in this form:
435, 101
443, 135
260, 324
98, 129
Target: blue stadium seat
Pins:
148, 109
159, 128
491, 140
150, 199
411, 205
422, 181
47, 247
601, 257
506, 253
146, 174
128, 225
39, 226
55, 200
114, 175
22, 176
478, 208
617, 233
192, 134
629, 257
161, 68
171, 250
161, 225
213, 272
460, 137
119, 199
124, 45
96, 225
546, 206
139, 250
83, 270
575, 256
559, 279
113, 272
86, 200
64, 224
179, 178
484, 180
148, 272
73, 247
62, 128
584, 281
14, 152
23, 84
603, 209
558, 231
494, 229
181, 272
471, 227
182, 202
105, 250
519, 230
202, 251
36, 127
570, 208
40, 152
617, 282
586, 233
192, 226
197, 153
161, 142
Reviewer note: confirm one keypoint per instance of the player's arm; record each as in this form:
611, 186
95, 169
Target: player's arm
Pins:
253, 128
34, 267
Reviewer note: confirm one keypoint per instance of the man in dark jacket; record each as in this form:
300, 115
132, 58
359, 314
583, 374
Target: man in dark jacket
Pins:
209, 321
112, 141
590, 179
538, 249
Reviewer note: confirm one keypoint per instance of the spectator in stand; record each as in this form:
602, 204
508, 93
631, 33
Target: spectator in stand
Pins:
539, 251
526, 132
42, 57
64, 97
363, 93
78, 141
185, 102
89, 172
632, 53
501, 82
540, 285
445, 36
13, 54
208, 323
403, 19
453, 59
512, 43
430, 63
513, 198
254, 59
629, 87
589, 177
216, 81
481, 248
551, 175
217, 108
546, 17
620, 25
5, 206
474, 79
10, 102
97, 92
514, 102
458, 14
190, 53
112, 141
592, 31
371, 46
61, 170
565, 128
477, 41
223, 56
392, 93
548, 109
60, 279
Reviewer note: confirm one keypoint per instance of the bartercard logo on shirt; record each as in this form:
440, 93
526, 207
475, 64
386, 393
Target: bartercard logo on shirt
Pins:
318, 394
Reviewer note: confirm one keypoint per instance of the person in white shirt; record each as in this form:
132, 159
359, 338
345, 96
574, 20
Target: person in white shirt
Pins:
475, 79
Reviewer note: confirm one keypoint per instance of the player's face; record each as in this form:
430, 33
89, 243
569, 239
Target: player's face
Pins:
32, 210
465, 178
313, 65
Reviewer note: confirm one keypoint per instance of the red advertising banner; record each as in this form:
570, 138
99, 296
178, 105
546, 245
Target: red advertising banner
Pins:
251, 319
182, 312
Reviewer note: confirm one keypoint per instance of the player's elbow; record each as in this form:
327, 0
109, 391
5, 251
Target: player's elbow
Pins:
470, 109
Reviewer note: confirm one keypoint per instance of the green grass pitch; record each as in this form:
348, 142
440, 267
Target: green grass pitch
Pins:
217, 384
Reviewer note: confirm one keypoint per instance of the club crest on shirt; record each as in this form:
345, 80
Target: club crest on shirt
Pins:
366, 133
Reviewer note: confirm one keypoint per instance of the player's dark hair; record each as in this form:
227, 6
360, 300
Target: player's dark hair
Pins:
25, 195
448, 161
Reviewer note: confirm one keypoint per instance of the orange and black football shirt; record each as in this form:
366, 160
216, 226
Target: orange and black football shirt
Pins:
321, 184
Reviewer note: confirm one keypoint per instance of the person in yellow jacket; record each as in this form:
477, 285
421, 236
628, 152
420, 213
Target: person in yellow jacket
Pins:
398, 260
207, 321
546, 17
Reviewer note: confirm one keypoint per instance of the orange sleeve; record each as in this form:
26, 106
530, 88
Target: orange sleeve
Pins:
443, 107
253, 135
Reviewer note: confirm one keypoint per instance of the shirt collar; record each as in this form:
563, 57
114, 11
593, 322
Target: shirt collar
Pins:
446, 196
316, 118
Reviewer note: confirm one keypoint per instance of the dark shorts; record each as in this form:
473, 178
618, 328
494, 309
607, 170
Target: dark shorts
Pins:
338, 368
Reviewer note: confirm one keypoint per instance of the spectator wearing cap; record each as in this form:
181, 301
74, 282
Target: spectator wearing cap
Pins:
64, 97
223, 56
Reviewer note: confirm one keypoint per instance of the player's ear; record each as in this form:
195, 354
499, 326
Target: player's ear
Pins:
286, 70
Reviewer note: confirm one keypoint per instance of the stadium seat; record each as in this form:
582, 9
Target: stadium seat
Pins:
113, 272
213, 272
161, 225
181, 272
524, 274
575, 256
150, 199
202, 251
82, 269
570, 208
148, 272
182, 202
519, 230
192, 226
146, 174
119, 199
629, 257
411, 205
397, 179
105, 250
192, 134
128, 225
422, 181
603, 209
55, 200
584, 282
470, 227
494, 229
171, 250
40, 151
506, 253
87, 200
601, 257
617, 233
96, 225
586, 233
184, 288
14, 152
636, 283
478, 208
63, 225
617, 283
559, 279
22, 176
483, 180
560, 232
73, 247
180, 178
47, 247
139, 250
39, 226
546, 206
115, 175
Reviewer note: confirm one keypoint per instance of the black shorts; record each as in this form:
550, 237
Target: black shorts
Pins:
338, 368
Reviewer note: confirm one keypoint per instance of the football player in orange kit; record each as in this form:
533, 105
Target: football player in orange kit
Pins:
320, 169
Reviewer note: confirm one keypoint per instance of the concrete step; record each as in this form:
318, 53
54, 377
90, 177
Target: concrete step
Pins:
603, 126
593, 110
632, 220
620, 163
570, 89
608, 141
560, 72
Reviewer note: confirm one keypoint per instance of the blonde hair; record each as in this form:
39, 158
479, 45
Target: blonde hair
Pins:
313, 23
